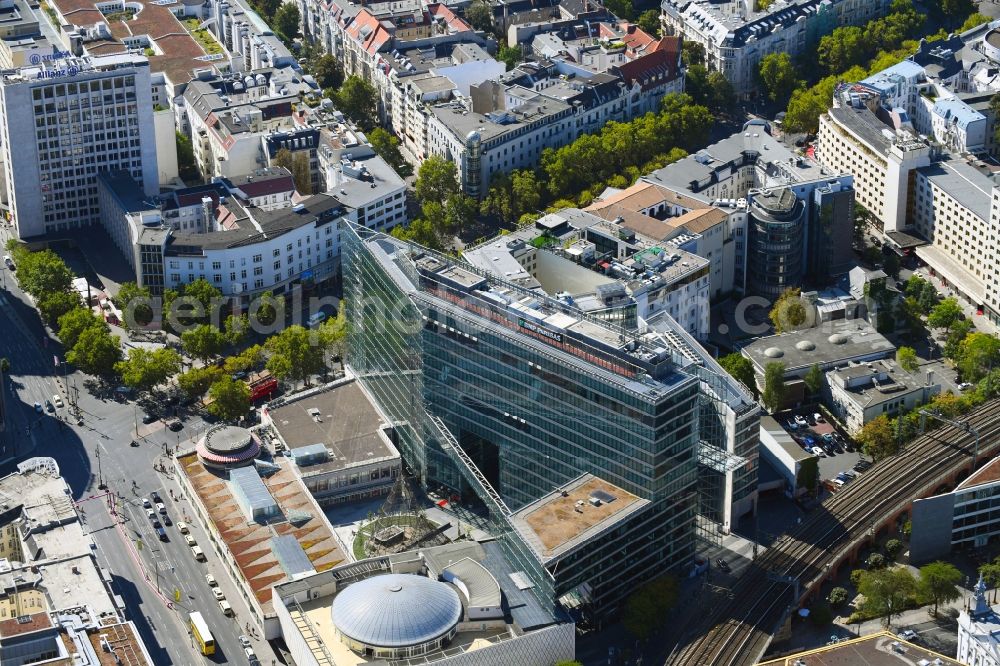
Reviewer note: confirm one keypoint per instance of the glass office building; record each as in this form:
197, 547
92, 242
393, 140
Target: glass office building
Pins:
522, 401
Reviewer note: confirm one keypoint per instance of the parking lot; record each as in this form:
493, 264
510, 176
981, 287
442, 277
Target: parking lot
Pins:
837, 455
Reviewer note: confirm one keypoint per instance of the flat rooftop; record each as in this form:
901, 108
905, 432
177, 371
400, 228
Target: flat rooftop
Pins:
882, 649
831, 343
252, 544
566, 516
346, 422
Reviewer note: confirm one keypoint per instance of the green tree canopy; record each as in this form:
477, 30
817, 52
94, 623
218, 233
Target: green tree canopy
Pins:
788, 312
437, 179
878, 438
237, 328
358, 101
145, 369
773, 396
939, 583
842, 49
55, 304
186, 164
649, 22
251, 358
741, 368
887, 592
296, 354
43, 272
196, 381
203, 342
778, 76
230, 398
75, 322
944, 314
692, 52
647, 607
264, 309
387, 146
480, 16
96, 351
907, 359
953, 343
327, 71
977, 354
286, 22
135, 302
814, 379
509, 55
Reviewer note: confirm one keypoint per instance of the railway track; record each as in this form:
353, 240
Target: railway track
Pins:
738, 633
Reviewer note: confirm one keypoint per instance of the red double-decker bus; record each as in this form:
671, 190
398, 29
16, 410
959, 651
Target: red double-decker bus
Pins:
262, 385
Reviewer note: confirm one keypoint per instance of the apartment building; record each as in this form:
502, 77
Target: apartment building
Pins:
63, 122
247, 41
736, 37
858, 394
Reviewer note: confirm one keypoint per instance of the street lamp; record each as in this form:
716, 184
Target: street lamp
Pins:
964, 426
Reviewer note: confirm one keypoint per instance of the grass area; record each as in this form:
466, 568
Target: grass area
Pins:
202, 36
52, 14
370, 528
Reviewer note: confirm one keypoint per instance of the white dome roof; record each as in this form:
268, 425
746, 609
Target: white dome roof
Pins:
396, 610
773, 352
805, 345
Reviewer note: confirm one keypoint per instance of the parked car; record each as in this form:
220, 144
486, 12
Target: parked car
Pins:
908, 634
816, 451
198, 554
792, 425
851, 474
57, 401
161, 508
182, 527
827, 437
148, 418
218, 594
150, 514
862, 465
810, 440
210, 579
38, 407
174, 425
964, 386
8, 262
156, 524
227, 610
162, 534
722, 564
167, 521
190, 540
817, 417
801, 420
146, 504
244, 641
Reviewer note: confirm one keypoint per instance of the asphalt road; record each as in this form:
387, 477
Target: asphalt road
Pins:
99, 450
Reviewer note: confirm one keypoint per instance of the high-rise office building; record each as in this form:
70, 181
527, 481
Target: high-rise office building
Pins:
65, 120
581, 438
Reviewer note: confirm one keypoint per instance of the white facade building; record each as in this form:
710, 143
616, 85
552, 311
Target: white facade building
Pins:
861, 393
979, 632
65, 121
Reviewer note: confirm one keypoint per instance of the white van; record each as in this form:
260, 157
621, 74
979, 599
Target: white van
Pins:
198, 554
227, 610
316, 319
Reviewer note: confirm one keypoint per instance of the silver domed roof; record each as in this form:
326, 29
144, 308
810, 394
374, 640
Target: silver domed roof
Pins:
396, 610
773, 352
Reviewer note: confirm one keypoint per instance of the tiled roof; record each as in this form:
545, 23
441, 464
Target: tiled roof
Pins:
650, 70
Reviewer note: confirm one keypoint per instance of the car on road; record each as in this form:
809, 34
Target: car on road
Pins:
810, 441
964, 386
801, 421
190, 540
816, 451
227, 610
244, 641
182, 527
146, 504
174, 425
57, 401
162, 534
155, 496
210, 579
48, 407
157, 525
862, 466
148, 418
161, 508
218, 594
251, 657
167, 521
908, 634
198, 554
38, 407
150, 514
722, 564
8, 262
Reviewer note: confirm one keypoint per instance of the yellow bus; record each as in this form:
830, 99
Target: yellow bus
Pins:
199, 628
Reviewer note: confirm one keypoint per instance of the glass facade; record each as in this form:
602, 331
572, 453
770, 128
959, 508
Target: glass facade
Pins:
777, 234
519, 409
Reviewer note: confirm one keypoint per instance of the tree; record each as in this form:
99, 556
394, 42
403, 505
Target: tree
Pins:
298, 165
249, 359
991, 575
196, 381
959, 331
358, 101
144, 369
887, 592
878, 438
711, 89
264, 309
295, 354
509, 55
237, 329
814, 379
778, 76
907, 359
186, 165
893, 547
944, 314
774, 386
135, 302
203, 342
42, 273
204, 292
838, 596
267, 8
808, 475
928, 298
876, 561
692, 52
333, 333
623, 9
955, 11
286, 22
437, 179
75, 322
649, 22
740, 367
327, 72
843, 48
53, 305
975, 20
788, 311
647, 607
480, 16
96, 351
977, 354
230, 398
939, 583
387, 146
